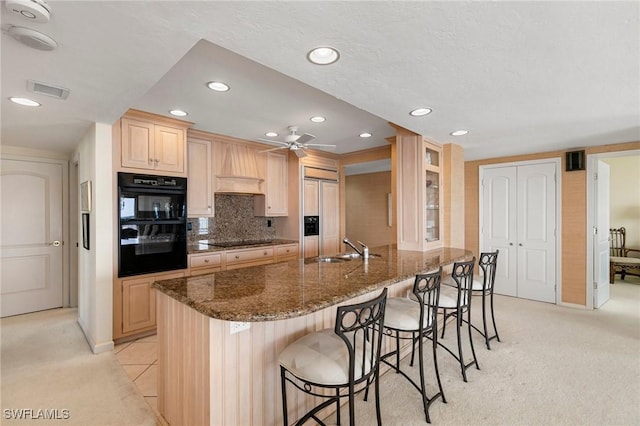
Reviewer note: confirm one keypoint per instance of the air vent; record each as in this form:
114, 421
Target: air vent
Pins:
47, 89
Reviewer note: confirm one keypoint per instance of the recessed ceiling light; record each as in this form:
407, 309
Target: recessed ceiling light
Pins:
24, 101
323, 55
178, 113
365, 135
459, 132
217, 86
271, 134
317, 119
420, 112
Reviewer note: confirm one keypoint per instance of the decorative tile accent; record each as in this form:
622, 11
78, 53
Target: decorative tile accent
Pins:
234, 221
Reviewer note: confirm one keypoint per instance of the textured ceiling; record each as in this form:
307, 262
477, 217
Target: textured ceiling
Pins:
520, 76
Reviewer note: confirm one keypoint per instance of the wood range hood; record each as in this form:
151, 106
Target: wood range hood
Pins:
239, 173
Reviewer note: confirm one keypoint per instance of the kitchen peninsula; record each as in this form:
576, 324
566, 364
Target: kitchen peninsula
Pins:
211, 373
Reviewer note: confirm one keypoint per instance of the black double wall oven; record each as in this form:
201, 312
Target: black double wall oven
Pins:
152, 218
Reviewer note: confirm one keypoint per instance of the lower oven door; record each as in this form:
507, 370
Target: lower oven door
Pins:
154, 246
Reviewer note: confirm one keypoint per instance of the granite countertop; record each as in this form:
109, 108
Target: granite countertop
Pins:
203, 246
299, 287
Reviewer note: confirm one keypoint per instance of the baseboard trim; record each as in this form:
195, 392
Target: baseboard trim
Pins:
573, 305
95, 348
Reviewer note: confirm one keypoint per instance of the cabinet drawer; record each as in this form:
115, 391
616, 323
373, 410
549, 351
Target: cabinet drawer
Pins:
286, 252
251, 255
205, 260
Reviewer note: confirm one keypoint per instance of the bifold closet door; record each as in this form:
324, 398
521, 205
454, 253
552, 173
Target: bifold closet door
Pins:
519, 219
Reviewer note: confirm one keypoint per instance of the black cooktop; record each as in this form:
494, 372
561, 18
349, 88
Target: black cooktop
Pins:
229, 244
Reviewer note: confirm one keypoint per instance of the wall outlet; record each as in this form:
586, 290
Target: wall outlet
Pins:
236, 327
268, 223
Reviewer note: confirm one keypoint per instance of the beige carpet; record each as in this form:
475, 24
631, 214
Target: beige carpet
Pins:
554, 366
47, 365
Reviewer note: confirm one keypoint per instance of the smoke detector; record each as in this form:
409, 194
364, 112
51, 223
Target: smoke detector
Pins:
32, 38
33, 10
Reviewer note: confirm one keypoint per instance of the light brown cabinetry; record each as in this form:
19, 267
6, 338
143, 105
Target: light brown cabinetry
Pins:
311, 246
419, 189
275, 201
249, 257
286, 252
205, 263
311, 198
329, 218
236, 168
199, 190
135, 304
153, 143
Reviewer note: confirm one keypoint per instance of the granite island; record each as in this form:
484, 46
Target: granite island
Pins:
209, 374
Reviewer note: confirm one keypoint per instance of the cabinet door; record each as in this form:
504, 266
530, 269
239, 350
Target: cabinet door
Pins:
330, 219
277, 187
311, 197
199, 189
137, 145
311, 248
169, 149
138, 304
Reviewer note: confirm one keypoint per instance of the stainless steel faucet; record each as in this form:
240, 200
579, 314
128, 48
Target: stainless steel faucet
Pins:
365, 250
350, 244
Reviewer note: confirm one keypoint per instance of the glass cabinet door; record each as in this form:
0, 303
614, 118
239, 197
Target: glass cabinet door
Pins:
432, 206
432, 216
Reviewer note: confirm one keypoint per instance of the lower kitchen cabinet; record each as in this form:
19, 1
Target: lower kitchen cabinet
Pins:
205, 263
135, 304
286, 252
249, 257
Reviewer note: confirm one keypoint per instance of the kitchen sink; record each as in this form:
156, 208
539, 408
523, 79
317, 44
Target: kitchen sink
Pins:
350, 256
331, 259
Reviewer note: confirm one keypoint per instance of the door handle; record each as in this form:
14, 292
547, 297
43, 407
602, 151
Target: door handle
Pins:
56, 243
520, 244
510, 244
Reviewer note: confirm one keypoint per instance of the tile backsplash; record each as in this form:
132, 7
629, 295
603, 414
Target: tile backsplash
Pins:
234, 221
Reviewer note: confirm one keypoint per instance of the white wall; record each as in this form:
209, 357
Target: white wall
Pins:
624, 196
95, 266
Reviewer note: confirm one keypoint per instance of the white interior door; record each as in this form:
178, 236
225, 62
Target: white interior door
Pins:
601, 235
32, 253
518, 217
499, 225
536, 214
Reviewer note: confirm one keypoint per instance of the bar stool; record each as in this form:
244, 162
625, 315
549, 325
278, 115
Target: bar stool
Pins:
419, 319
458, 301
484, 287
343, 359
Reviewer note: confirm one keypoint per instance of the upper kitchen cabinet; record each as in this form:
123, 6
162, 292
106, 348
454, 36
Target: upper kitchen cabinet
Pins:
200, 188
153, 143
420, 192
275, 202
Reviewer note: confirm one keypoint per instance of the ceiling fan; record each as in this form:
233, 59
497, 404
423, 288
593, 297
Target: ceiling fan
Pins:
295, 142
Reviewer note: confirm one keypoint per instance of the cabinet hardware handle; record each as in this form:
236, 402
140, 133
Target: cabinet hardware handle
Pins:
206, 261
237, 257
520, 244
265, 253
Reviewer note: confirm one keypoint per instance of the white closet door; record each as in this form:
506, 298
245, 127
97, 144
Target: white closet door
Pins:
536, 214
519, 219
499, 225
601, 237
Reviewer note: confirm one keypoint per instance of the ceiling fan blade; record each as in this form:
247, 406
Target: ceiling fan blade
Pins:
286, 144
274, 149
305, 138
300, 153
319, 144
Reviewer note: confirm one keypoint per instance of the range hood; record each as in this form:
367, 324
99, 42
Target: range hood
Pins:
239, 172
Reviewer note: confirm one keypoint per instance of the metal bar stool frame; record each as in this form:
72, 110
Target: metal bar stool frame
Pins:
359, 326
488, 262
426, 290
462, 275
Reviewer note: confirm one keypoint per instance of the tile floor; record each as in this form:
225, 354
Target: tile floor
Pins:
139, 358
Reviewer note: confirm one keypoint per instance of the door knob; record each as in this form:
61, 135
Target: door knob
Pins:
510, 244
520, 244
56, 243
